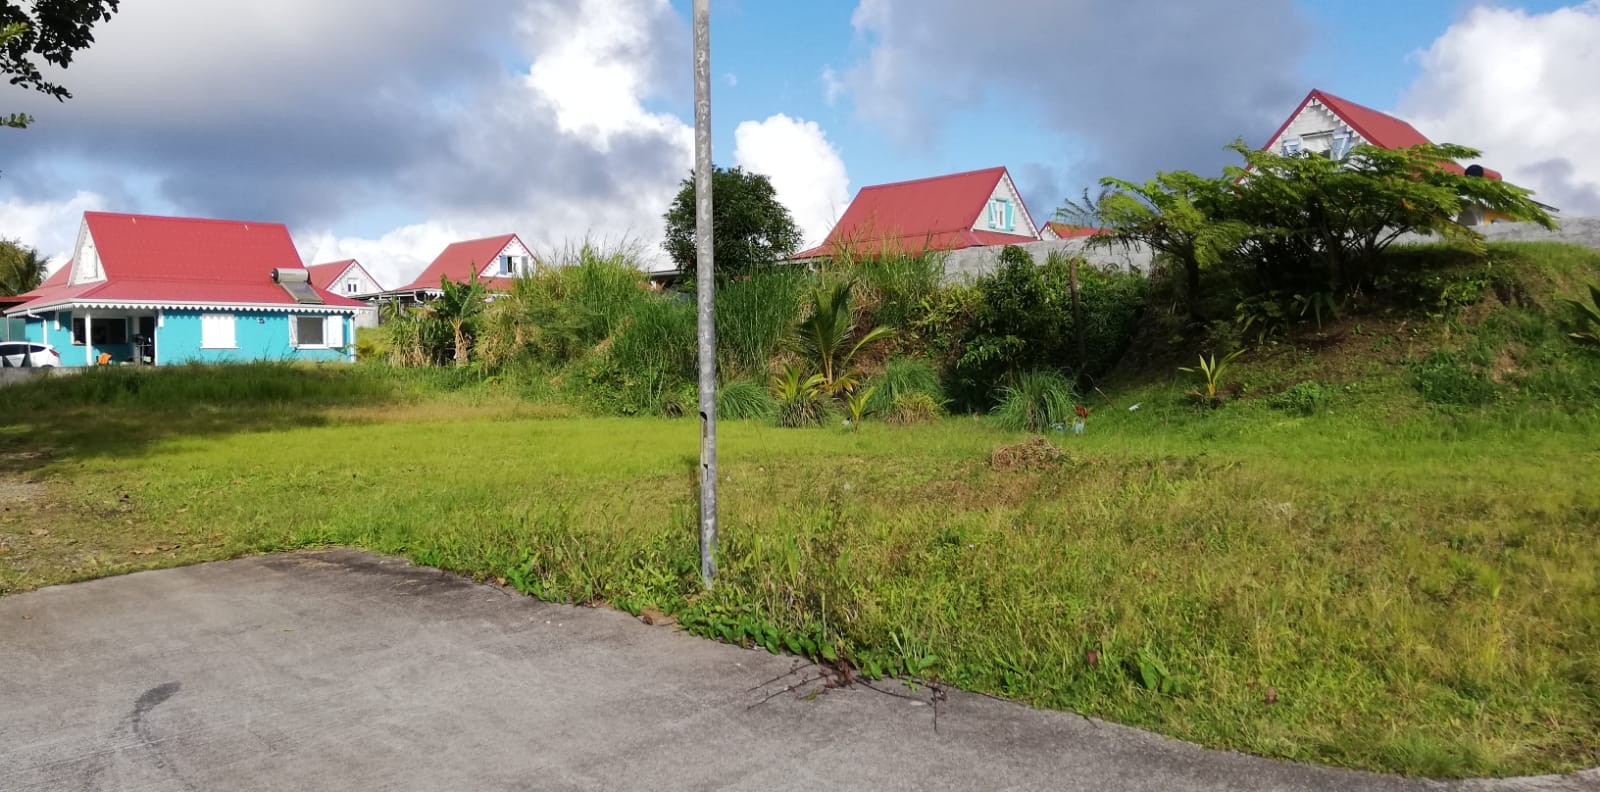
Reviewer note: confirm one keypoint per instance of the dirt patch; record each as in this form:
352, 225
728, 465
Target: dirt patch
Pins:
1033, 454
1505, 364
17, 493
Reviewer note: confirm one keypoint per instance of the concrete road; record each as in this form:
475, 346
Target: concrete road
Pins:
340, 670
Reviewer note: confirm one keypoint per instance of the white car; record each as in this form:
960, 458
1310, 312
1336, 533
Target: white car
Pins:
24, 354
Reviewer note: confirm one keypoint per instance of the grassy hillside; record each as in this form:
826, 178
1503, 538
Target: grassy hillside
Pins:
1381, 552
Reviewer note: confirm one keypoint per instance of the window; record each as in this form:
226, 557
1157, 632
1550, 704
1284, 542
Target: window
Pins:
350, 286
308, 331
217, 331
508, 265
77, 331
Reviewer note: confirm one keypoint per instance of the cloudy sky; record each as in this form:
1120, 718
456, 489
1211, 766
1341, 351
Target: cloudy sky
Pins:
383, 129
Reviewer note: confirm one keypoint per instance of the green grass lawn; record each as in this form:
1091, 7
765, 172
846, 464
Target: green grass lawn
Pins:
1399, 589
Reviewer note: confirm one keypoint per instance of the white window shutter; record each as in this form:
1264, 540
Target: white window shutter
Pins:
335, 331
294, 331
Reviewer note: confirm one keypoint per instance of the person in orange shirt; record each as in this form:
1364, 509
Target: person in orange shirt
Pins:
104, 359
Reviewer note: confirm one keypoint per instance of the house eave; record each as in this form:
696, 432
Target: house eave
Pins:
176, 305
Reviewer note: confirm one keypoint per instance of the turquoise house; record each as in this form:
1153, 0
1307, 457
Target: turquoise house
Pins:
149, 290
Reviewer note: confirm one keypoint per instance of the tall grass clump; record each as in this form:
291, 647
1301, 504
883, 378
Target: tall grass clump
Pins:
1036, 401
902, 378
893, 288
649, 363
744, 401
755, 315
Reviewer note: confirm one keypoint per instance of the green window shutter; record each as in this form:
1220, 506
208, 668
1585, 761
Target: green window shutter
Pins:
1011, 220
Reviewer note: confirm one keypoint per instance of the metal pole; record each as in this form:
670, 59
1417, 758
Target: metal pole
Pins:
705, 286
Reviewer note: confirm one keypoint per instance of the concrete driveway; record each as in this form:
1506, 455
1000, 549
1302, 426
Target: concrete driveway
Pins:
341, 670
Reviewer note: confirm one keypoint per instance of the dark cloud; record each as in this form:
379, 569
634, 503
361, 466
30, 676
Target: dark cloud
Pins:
1141, 85
306, 111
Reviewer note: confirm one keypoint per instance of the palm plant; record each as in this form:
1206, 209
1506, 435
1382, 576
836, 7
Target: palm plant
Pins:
21, 268
802, 400
859, 403
1210, 373
457, 306
829, 338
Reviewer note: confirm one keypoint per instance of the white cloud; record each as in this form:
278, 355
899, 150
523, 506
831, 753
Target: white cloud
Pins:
1521, 87
832, 86
805, 169
49, 226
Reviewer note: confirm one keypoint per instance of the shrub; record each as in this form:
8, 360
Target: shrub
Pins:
913, 408
741, 401
829, 339
1025, 320
1036, 401
1307, 398
904, 377
1444, 378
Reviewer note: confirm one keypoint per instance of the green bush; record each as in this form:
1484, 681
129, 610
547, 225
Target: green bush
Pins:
1445, 378
1036, 402
903, 377
801, 399
1025, 321
1307, 398
742, 401
910, 409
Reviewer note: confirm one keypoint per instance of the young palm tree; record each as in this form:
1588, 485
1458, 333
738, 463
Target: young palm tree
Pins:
829, 338
457, 307
21, 268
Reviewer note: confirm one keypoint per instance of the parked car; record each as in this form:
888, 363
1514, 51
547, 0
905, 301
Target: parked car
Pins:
21, 354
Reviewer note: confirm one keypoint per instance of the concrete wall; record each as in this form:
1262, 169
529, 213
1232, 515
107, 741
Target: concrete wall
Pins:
257, 336
974, 262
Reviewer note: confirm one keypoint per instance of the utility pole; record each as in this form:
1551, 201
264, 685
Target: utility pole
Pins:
705, 285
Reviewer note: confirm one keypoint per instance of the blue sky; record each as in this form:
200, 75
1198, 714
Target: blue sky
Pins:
1363, 50
384, 129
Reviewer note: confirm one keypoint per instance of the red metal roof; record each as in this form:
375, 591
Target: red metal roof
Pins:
183, 260
920, 215
460, 260
1069, 231
1379, 129
323, 275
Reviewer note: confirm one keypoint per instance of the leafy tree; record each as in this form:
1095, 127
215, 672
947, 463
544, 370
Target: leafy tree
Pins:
458, 306
750, 228
1185, 217
1329, 220
21, 268
45, 31
830, 339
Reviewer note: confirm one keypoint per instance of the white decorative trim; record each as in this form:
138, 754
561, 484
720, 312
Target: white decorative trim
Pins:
138, 305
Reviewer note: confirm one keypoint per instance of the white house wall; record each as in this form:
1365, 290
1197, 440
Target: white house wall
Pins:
86, 266
516, 248
1315, 118
358, 275
1007, 190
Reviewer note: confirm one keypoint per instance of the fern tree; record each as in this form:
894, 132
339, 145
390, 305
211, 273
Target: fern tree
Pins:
1180, 215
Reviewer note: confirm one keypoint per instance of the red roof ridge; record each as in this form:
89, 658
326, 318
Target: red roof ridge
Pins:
172, 218
997, 170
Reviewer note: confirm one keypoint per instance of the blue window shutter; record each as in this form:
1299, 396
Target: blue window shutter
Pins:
1011, 219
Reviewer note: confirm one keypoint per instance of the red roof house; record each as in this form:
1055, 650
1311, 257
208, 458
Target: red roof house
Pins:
137, 277
496, 260
345, 278
962, 210
1054, 230
1330, 125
